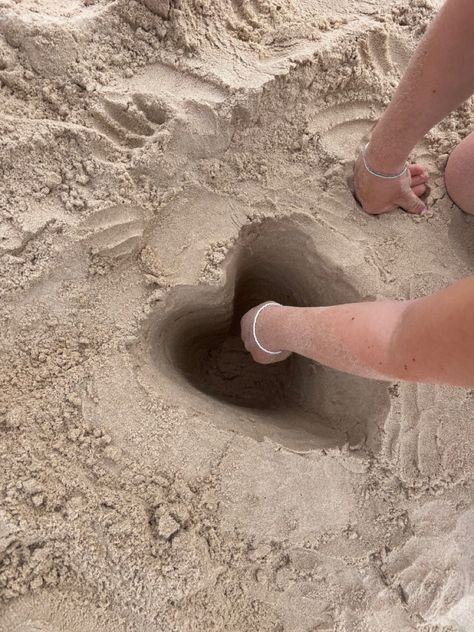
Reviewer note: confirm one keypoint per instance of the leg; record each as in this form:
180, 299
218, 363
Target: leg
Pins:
459, 175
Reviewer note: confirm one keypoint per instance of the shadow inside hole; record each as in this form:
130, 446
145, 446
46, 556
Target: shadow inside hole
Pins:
216, 361
199, 342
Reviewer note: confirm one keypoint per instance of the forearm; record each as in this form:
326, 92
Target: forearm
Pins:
426, 340
438, 79
354, 338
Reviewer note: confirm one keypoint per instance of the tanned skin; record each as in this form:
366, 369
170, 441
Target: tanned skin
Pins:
426, 340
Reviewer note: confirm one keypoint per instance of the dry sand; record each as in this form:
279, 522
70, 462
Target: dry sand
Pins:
166, 164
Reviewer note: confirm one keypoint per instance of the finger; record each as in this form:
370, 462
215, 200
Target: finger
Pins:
419, 189
416, 180
416, 169
412, 203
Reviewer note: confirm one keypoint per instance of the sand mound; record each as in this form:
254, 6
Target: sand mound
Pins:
165, 165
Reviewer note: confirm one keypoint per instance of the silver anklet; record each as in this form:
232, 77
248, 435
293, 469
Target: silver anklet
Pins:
254, 333
379, 174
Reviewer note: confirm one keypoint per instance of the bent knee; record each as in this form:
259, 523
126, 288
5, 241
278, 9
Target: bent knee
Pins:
459, 175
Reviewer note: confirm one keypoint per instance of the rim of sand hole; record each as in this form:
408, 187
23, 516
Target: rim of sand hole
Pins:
268, 246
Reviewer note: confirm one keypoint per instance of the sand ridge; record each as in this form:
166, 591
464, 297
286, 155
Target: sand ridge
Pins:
163, 162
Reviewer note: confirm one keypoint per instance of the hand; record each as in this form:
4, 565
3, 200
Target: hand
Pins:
377, 195
264, 337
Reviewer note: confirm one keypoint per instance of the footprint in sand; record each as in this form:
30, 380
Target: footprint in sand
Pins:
182, 107
435, 572
411, 432
126, 120
341, 127
419, 438
115, 232
387, 53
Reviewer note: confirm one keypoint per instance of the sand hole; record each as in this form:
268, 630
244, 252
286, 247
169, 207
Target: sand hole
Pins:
298, 403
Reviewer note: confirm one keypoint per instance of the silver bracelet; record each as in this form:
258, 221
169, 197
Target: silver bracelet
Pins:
254, 333
379, 174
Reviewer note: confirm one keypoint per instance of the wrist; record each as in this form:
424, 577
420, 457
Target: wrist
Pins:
383, 159
271, 327
388, 149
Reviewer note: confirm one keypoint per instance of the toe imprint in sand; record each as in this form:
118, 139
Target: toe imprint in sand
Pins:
128, 121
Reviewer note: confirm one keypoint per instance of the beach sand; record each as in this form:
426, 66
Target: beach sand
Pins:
165, 165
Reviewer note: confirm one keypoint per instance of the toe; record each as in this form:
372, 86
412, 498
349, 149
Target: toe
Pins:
419, 189
416, 180
417, 170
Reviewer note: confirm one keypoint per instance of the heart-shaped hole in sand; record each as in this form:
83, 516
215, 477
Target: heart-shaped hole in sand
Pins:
300, 404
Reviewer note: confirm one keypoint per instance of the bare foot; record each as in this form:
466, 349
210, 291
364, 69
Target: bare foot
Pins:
378, 195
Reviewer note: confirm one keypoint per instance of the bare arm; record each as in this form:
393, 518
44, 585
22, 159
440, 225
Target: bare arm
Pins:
426, 340
438, 79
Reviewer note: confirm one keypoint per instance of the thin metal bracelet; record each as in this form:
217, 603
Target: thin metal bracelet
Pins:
254, 333
379, 174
